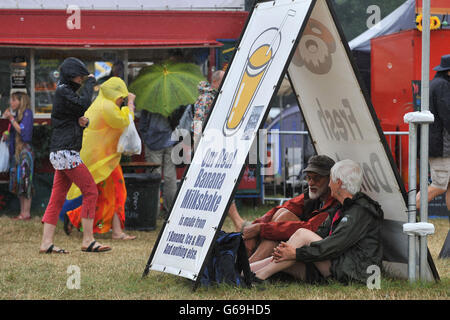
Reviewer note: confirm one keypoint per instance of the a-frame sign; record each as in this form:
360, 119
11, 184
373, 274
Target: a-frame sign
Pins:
303, 39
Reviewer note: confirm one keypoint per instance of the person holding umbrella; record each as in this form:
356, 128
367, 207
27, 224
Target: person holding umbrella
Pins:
156, 133
160, 90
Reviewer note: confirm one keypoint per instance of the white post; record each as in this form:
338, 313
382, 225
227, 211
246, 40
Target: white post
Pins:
424, 133
412, 178
32, 92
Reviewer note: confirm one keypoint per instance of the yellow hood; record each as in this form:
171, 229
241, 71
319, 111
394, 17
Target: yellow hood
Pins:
113, 89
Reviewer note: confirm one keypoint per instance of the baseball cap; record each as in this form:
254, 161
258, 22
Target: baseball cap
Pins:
319, 164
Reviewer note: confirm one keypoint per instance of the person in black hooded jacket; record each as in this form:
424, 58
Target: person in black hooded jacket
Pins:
439, 137
69, 107
67, 122
344, 246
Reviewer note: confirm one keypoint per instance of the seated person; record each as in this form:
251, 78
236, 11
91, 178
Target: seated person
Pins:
344, 246
308, 210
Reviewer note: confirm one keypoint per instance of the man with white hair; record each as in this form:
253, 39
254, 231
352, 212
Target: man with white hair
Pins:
308, 210
344, 246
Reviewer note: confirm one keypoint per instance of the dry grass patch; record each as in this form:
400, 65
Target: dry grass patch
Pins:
26, 274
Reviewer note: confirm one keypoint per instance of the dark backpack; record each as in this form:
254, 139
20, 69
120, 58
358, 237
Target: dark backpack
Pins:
227, 261
175, 116
182, 121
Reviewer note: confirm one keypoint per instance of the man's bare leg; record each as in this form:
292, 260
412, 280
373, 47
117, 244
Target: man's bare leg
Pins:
255, 266
237, 220
266, 247
433, 192
264, 250
297, 270
299, 239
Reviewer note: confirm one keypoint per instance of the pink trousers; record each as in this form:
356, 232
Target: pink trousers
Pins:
61, 184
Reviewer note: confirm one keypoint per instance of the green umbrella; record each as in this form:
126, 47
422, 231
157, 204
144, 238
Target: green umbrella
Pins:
161, 88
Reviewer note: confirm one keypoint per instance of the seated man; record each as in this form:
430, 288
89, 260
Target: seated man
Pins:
307, 210
343, 247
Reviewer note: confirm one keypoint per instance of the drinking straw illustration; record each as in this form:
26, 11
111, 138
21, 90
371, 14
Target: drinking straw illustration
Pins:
290, 13
260, 58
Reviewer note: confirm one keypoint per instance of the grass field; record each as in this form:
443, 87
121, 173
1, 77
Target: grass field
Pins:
26, 274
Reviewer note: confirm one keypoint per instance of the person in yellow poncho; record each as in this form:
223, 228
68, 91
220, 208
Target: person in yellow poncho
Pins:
99, 152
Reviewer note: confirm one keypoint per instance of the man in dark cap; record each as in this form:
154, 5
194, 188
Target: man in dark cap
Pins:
307, 210
439, 137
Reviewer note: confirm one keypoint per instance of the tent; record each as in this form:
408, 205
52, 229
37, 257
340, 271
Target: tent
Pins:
402, 18
293, 148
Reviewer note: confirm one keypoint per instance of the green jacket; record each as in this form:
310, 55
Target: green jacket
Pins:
355, 241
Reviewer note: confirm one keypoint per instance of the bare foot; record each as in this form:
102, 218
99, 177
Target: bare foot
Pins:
124, 236
22, 217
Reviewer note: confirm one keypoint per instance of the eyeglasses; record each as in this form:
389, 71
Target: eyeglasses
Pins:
316, 178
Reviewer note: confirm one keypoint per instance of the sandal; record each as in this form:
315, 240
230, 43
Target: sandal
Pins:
98, 248
20, 217
52, 250
124, 236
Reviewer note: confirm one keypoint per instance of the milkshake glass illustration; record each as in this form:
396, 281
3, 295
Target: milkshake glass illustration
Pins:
259, 59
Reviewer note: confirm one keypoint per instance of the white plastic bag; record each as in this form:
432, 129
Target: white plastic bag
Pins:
4, 157
129, 141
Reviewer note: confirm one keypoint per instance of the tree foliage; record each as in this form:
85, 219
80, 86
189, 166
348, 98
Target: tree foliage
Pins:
355, 18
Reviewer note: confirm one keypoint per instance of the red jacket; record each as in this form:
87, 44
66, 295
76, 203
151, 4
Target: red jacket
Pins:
311, 217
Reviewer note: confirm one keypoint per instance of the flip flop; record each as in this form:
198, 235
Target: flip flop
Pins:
52, 250
125, 237
98, 248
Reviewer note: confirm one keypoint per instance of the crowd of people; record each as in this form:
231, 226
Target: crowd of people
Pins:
332, 230
89, 191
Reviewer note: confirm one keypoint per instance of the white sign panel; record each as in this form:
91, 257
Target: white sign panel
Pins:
338, 117
247, 89
337, 114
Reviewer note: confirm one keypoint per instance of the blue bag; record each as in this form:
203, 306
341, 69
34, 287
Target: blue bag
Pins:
228, 262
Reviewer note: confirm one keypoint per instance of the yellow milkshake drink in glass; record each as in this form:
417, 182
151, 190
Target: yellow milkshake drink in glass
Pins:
260, 57
250, 80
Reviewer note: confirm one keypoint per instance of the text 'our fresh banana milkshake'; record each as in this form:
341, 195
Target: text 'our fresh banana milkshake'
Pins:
259, 59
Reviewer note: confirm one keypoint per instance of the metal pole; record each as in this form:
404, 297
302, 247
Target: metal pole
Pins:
412, 200
32, 92
400, 155
424, 133
125, 63
284, 170
263, 159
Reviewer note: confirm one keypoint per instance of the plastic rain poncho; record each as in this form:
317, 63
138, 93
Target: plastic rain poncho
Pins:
106, 123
